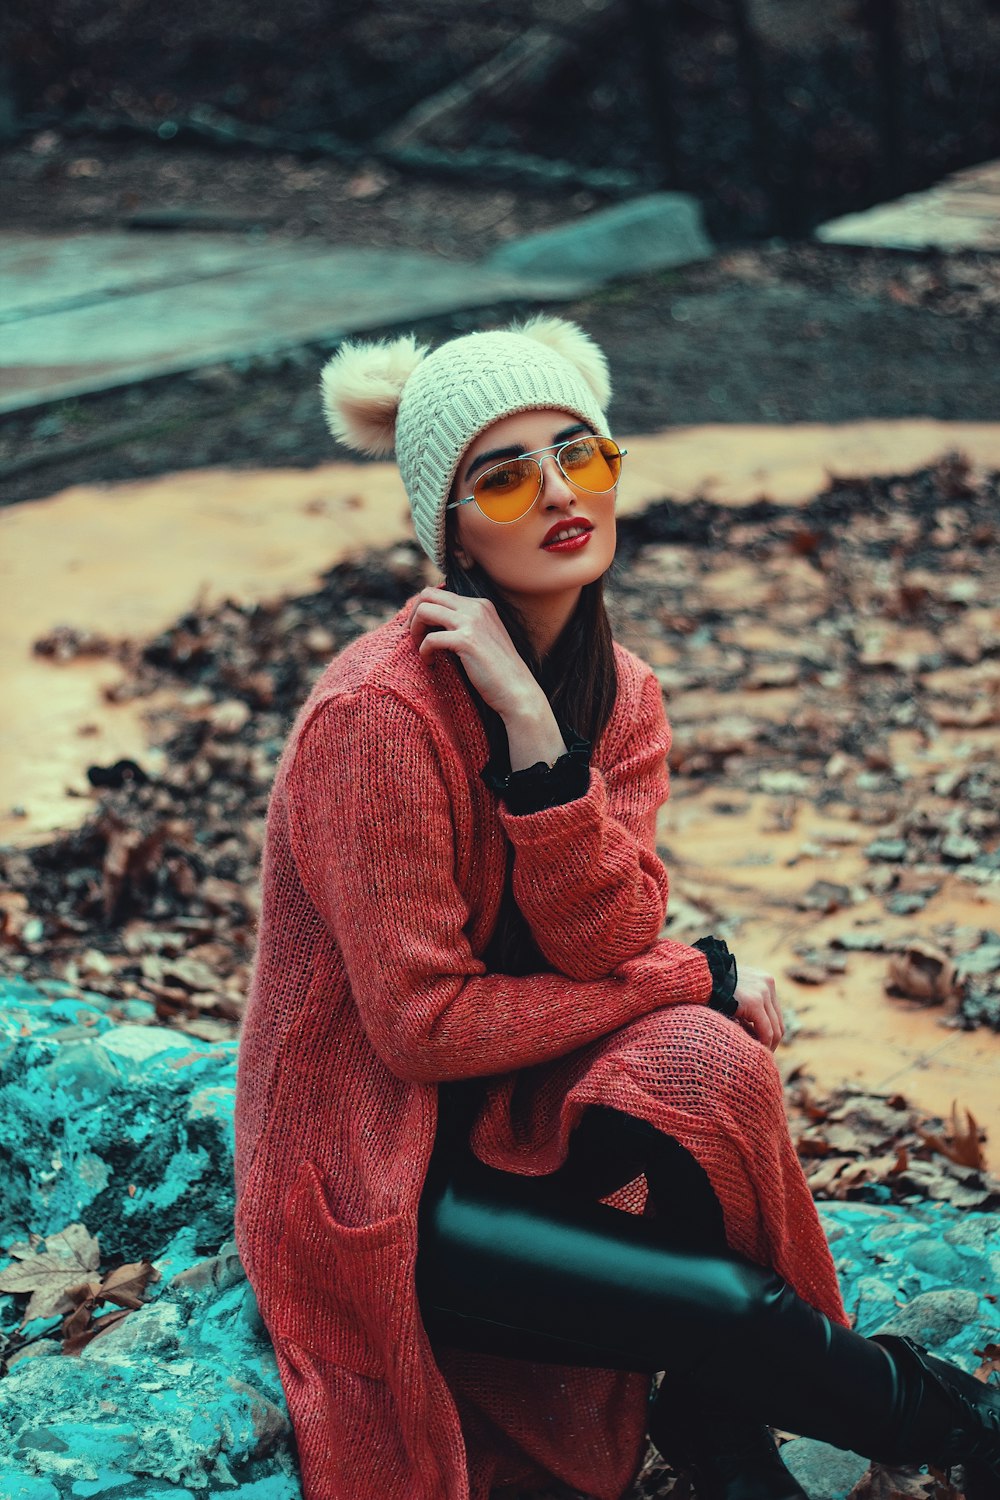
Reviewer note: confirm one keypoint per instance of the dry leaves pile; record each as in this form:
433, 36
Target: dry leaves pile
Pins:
846, 657
63, 1277
851, 1140
156, 897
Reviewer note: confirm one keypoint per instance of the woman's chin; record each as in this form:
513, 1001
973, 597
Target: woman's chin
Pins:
552, 572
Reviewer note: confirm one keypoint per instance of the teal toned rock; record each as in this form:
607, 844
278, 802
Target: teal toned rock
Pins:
126, 1127
17, 1486
651, 233
181, 1399
824, 1473
935, 1318
183, 1392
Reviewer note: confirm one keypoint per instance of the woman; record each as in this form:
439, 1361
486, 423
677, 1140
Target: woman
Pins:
502, 1152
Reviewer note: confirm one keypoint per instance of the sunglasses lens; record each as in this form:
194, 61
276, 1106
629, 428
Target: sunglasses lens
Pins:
593, 463
509, 491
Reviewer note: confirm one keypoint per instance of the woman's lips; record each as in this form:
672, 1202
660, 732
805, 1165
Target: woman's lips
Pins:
569, 544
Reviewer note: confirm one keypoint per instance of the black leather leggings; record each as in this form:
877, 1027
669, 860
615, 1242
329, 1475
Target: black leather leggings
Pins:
536, 1268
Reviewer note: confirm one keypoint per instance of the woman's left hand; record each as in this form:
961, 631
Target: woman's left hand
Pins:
758, 1006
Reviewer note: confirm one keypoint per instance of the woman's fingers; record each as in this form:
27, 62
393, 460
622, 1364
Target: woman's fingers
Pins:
473, 630
430, 616
762, 1025
436, 591
759, 1008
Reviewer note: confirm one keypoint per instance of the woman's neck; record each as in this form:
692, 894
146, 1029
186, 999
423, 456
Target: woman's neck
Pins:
545, 616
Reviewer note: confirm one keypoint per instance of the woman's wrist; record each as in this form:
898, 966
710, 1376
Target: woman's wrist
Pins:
532, 733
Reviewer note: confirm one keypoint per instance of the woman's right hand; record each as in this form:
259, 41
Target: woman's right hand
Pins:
758, 1006
443, 621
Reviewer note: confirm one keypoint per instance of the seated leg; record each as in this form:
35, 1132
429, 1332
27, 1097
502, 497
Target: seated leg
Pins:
578, 1281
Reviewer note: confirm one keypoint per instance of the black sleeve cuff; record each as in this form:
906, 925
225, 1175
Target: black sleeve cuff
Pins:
722, 966
541, 786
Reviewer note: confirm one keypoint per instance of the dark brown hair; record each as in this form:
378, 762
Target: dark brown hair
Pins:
580, 680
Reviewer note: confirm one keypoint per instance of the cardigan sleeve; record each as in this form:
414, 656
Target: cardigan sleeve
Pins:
586, 873
372, 835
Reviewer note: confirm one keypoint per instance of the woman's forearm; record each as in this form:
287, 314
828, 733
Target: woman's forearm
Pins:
533, 734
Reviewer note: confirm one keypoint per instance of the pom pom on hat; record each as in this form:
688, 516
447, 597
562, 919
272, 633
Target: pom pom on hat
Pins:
362, 385
569, 340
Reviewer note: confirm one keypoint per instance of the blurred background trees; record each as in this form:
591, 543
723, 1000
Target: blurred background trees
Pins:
777, 114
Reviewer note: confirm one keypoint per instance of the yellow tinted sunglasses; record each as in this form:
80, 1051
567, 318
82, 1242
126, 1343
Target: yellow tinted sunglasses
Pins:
507, 491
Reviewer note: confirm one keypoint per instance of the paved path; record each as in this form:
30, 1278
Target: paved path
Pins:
960, 213
88, 312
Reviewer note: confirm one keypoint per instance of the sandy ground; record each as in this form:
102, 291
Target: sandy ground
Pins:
127, 560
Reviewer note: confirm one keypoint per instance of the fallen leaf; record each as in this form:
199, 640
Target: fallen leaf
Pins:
129, 858
51, 1274
126, 1284
923, 973
963, 1145
825, 896
884, 1483
805, 973
194, 973
75, 1342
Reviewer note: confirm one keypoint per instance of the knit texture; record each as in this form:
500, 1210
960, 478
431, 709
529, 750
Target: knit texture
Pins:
382, 872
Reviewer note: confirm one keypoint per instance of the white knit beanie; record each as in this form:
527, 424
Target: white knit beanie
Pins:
430, 406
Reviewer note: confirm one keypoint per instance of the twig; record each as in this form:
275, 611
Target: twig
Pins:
523, 66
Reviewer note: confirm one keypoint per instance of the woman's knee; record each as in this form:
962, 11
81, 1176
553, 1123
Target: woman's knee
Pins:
705, 1064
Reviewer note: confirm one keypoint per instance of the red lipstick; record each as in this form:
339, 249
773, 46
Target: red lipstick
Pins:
581, 530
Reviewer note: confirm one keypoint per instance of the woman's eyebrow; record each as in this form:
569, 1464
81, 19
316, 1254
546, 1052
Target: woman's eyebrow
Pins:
496, 454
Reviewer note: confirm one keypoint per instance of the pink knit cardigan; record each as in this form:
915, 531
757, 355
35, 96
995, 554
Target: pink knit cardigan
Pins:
383, 868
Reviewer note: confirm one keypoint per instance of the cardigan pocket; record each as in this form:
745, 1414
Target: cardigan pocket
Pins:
339, 1285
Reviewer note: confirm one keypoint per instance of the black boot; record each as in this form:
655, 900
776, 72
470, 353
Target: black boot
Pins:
945, 1417
884, 1397
728, 1458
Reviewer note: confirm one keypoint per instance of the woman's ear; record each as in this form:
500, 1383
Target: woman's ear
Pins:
453, 546
460, 555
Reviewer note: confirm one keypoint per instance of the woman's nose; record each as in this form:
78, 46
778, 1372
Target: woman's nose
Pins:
556, 488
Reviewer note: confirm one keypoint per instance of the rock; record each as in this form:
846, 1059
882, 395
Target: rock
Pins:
17, 1486
937, 1258
825, 1473
650, 233
936, 1318
874, 1302
183, 1391
181, 1398
973, 1232
126, 1127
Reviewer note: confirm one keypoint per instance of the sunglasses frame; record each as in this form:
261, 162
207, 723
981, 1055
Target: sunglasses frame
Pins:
555, 449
